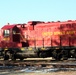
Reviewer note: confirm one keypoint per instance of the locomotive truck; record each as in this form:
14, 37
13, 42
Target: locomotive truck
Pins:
38, 39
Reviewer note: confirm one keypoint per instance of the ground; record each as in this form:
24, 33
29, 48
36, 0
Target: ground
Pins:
51, 73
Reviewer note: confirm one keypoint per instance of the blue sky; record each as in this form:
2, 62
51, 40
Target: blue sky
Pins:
22, 11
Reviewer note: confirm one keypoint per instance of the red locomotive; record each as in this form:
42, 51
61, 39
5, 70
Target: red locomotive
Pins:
38, 39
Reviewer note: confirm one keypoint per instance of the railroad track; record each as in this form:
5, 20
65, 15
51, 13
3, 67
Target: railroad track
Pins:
41, 63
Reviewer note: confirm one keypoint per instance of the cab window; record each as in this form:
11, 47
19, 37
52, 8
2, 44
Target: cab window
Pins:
6, 33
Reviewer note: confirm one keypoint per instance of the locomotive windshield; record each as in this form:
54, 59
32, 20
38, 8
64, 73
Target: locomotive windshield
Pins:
6, 33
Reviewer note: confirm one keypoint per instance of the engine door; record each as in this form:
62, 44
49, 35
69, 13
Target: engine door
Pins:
16, 35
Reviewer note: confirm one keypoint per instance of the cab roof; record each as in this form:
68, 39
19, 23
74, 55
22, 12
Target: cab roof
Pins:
8, 27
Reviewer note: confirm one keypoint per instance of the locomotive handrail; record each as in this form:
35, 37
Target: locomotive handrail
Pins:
23, 39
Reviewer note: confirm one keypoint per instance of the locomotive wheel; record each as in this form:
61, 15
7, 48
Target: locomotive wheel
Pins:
42, 54
7, 55
13, 57
21, 58
56, 55
65, 58
65, 55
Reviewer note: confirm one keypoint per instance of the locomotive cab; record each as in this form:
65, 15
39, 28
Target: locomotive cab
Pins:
10, 36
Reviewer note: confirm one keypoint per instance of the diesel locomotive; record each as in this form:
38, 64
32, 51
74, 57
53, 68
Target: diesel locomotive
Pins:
38, 39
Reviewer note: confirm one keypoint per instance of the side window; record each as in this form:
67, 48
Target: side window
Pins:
6, 33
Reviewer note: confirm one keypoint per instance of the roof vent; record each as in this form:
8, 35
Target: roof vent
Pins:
34, 22
69, 20
58, 21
